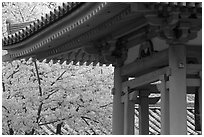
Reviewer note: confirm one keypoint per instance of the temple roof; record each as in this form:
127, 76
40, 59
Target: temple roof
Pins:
88, 32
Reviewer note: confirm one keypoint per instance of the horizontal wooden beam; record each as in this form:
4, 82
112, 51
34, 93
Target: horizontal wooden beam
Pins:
193, 82
193, 68
134, 93
146, 78
191, 90
156, 60
149, 87
152, 100
143, 82
194, 51
190, 82
134, 97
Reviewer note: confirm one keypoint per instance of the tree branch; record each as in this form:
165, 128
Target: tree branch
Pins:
14, 14
6, 109
58, 78
38, 77
23, 20
85, 120
94, 133
87, 132
106, 105
32, 9
51, 93
90, 119
46, 123
40, 93
15, 71
39, 112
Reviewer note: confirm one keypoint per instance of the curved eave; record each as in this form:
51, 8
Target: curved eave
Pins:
50, 34
85, 18
88, 24
23, 31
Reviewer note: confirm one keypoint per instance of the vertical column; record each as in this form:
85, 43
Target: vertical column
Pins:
177, 90
164, 106
129, 109
200, 99
144, 113
118, 106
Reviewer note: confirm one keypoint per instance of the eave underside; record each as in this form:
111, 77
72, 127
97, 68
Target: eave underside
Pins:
81, 35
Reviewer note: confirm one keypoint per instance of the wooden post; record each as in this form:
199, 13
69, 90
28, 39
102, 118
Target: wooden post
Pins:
177, 90
200, 99
129, 109
164, 106
144, 113
118, 106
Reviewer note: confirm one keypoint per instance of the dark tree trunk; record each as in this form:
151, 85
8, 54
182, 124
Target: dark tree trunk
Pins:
3, 86
59, 129
31, 132
11, 132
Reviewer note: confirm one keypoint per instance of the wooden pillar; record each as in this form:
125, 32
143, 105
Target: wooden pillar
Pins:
144, 113
129, 120
177, 90
164, 106
200, 99
118, 106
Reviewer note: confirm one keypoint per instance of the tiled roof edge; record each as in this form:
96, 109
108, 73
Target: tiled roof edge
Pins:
40, 24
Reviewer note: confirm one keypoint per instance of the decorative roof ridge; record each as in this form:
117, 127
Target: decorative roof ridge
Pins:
40, 24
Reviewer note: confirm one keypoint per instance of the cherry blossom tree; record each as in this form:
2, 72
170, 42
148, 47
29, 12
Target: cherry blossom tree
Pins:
47, 98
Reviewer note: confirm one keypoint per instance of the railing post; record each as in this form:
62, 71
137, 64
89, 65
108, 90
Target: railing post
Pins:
144, 113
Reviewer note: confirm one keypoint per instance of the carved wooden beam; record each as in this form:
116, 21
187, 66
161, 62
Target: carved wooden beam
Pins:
154, 61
